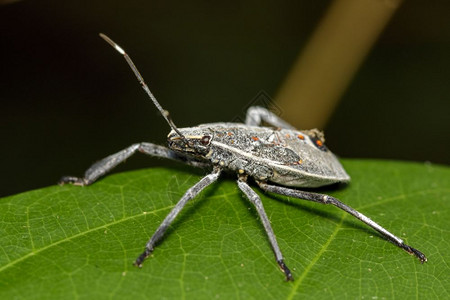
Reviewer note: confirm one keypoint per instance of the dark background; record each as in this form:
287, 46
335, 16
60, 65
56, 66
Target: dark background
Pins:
67, 99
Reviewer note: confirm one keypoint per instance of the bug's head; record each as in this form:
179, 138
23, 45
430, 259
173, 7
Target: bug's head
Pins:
195, 141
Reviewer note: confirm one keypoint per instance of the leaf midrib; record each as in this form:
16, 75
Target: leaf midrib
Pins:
105, 226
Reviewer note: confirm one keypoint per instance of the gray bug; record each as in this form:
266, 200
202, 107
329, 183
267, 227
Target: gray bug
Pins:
281, 155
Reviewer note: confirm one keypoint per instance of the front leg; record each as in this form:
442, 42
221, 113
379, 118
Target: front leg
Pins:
190, 194
325, 199
105, 165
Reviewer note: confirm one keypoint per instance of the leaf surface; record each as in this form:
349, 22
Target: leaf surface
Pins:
80, 242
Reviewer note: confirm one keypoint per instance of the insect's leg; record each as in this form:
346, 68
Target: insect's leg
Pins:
191, 193
105, 165
257, 114
325, 199
254, 198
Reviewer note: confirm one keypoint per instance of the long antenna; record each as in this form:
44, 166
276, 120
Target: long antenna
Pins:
164, 112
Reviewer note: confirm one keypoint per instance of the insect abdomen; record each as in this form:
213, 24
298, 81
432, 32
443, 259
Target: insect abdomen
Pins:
283, 156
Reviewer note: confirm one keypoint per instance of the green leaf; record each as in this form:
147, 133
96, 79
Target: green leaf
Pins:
80, 242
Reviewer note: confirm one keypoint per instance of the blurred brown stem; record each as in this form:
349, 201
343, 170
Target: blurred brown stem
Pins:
331, 58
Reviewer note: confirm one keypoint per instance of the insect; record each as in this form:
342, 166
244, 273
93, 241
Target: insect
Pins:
279, 159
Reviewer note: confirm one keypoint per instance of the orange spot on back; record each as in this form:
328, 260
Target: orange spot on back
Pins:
255, 138
301, 137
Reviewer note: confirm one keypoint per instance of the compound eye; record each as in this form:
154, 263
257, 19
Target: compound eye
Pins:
205, 140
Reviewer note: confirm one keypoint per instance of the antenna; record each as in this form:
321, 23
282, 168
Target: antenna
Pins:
163, 112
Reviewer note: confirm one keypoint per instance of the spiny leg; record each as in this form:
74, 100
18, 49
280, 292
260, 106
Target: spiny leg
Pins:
325, 199
257, 114
105, 165
254, 198
191, 193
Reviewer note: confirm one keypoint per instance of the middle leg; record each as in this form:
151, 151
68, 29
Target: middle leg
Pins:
257, 114
254, 198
